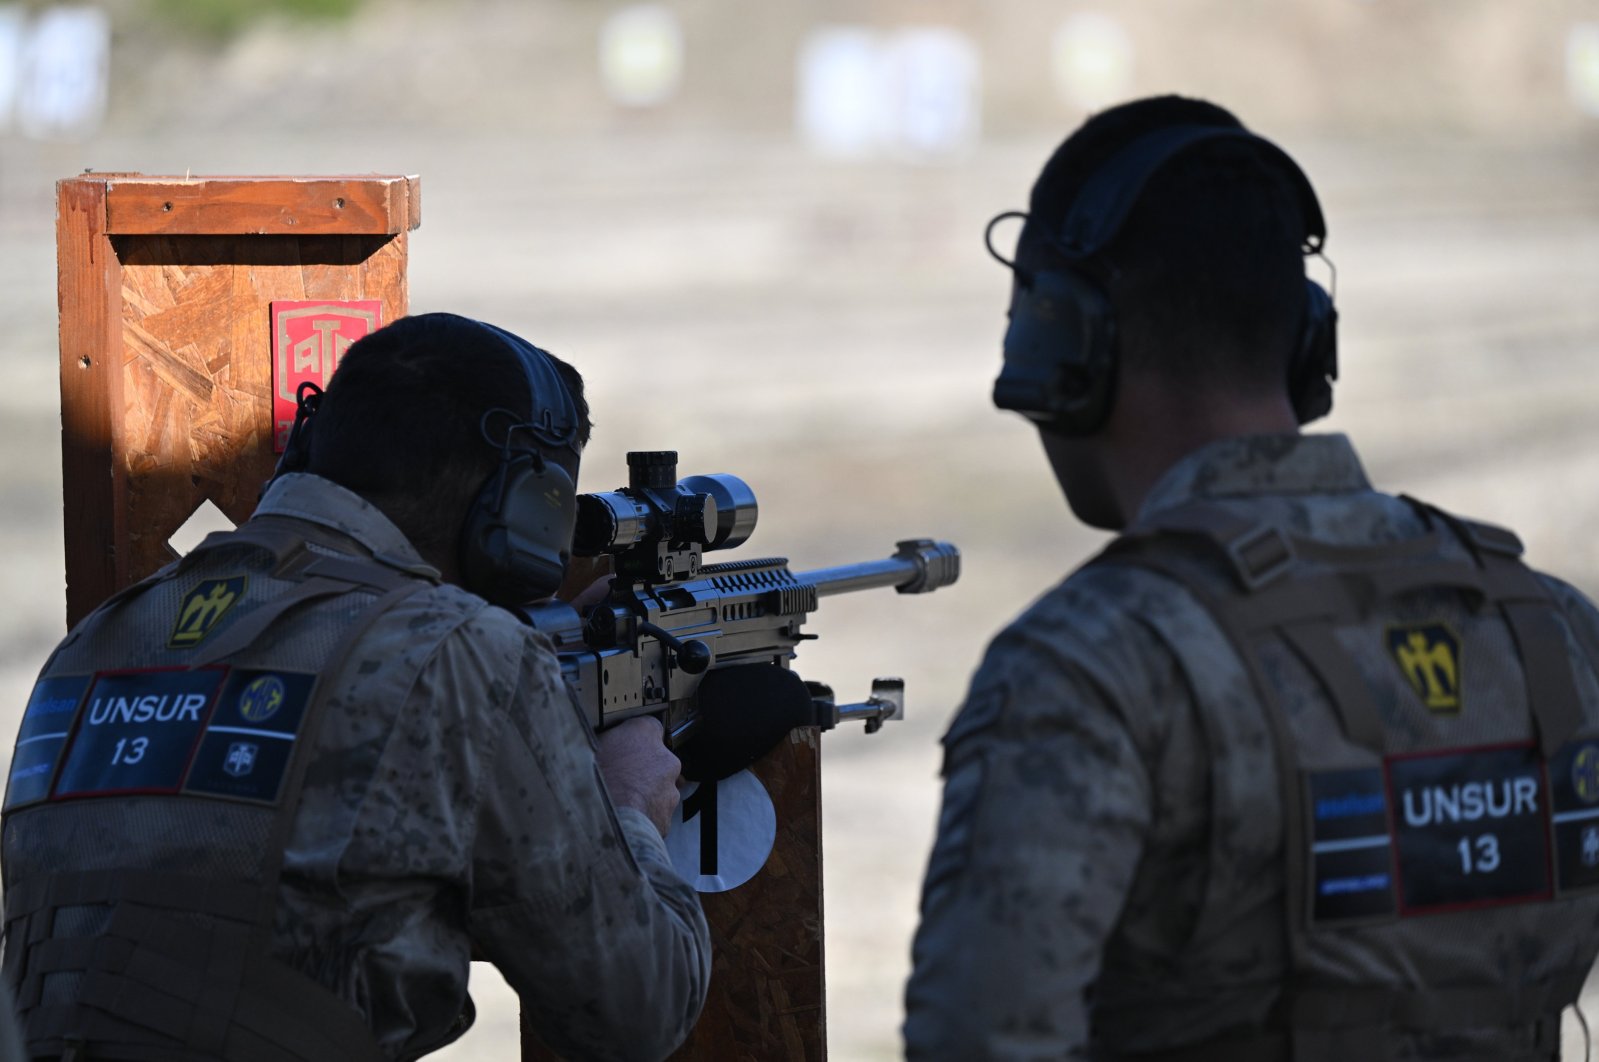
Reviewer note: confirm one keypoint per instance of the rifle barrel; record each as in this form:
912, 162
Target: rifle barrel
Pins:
920, 565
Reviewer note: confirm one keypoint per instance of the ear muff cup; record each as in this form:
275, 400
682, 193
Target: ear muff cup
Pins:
1061, 357
1314, 366
517, 536
1060, 353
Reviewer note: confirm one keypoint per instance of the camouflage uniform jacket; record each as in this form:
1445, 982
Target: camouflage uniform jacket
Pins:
1076, 853
452, 804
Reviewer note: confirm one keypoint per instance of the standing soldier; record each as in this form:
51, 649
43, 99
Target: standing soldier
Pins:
1294, 769
267, 803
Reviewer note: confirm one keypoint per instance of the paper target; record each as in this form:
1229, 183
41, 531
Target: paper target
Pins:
722, 832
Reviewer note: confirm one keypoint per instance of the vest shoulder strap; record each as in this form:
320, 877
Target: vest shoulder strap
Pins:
290, 544
1479, 536
1535, 621
1256, 553
1261, 596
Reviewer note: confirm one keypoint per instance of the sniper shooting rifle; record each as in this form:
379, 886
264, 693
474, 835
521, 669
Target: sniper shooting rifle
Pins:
707, 647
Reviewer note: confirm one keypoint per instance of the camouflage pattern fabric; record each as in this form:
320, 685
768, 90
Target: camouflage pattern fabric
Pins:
1081, 900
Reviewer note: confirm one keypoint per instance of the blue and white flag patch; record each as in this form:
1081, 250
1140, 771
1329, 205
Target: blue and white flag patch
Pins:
46, 725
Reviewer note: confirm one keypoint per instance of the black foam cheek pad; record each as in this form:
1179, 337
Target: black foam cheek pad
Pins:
744, 711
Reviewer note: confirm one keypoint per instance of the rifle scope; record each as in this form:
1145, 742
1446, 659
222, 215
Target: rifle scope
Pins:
714, 511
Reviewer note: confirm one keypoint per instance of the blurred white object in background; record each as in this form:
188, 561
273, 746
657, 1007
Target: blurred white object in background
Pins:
932, 89
1582, 66
914, 93
641, 55
1092, 60
66, 63
836, 95
13, 25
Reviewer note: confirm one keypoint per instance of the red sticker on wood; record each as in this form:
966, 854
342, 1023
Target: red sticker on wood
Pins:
308, 339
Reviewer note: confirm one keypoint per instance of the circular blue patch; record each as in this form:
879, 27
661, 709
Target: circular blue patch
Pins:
1585, 774
262, 698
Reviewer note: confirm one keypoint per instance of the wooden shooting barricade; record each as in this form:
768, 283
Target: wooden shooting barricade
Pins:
170, 292
166, 285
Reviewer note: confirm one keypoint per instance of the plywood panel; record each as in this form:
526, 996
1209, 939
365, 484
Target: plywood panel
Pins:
197, 368
767, 987
166, 342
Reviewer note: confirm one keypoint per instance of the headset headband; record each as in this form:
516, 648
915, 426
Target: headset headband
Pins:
1102, 206
552, 418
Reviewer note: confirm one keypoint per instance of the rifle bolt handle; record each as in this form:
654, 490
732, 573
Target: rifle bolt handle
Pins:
694, 656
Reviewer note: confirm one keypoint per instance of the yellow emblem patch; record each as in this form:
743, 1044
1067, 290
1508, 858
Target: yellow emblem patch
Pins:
1429, 656
203, 608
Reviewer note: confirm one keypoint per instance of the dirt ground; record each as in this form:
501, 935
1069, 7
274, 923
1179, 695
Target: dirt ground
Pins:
829, 332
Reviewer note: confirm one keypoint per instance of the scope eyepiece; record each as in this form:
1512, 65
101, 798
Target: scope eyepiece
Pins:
609, 522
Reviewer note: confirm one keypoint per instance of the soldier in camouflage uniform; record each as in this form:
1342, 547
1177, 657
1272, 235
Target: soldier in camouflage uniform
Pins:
1295, 768
270, 802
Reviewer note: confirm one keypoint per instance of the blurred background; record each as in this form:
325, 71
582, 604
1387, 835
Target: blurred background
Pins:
757, 228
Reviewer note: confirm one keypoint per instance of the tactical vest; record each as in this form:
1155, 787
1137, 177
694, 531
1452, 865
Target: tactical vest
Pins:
155, 780
1438, 762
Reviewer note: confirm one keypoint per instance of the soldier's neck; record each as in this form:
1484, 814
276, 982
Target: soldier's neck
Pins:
1154, 427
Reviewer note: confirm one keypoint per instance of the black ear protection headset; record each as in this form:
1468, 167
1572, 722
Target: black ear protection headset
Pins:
296, 456
1061, 348
517, 535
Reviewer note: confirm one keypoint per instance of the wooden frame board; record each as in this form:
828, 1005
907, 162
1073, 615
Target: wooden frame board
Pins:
165, 284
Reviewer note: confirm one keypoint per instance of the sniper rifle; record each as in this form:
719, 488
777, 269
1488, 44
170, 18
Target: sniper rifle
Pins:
707, 646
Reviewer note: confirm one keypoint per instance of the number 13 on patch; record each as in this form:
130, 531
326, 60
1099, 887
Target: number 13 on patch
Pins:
722, 832
1485, 858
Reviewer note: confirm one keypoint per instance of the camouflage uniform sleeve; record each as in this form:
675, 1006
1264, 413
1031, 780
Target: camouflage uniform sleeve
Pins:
1046, 809
1583, 619
1579, 611
575, 902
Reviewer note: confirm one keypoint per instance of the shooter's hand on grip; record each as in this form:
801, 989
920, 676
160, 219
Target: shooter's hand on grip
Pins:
639, 770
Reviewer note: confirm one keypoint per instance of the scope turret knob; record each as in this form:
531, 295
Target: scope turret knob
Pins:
694, 519
652, 469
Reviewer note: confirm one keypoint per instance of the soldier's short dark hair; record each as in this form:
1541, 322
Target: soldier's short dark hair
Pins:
1206, 275
400, 422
